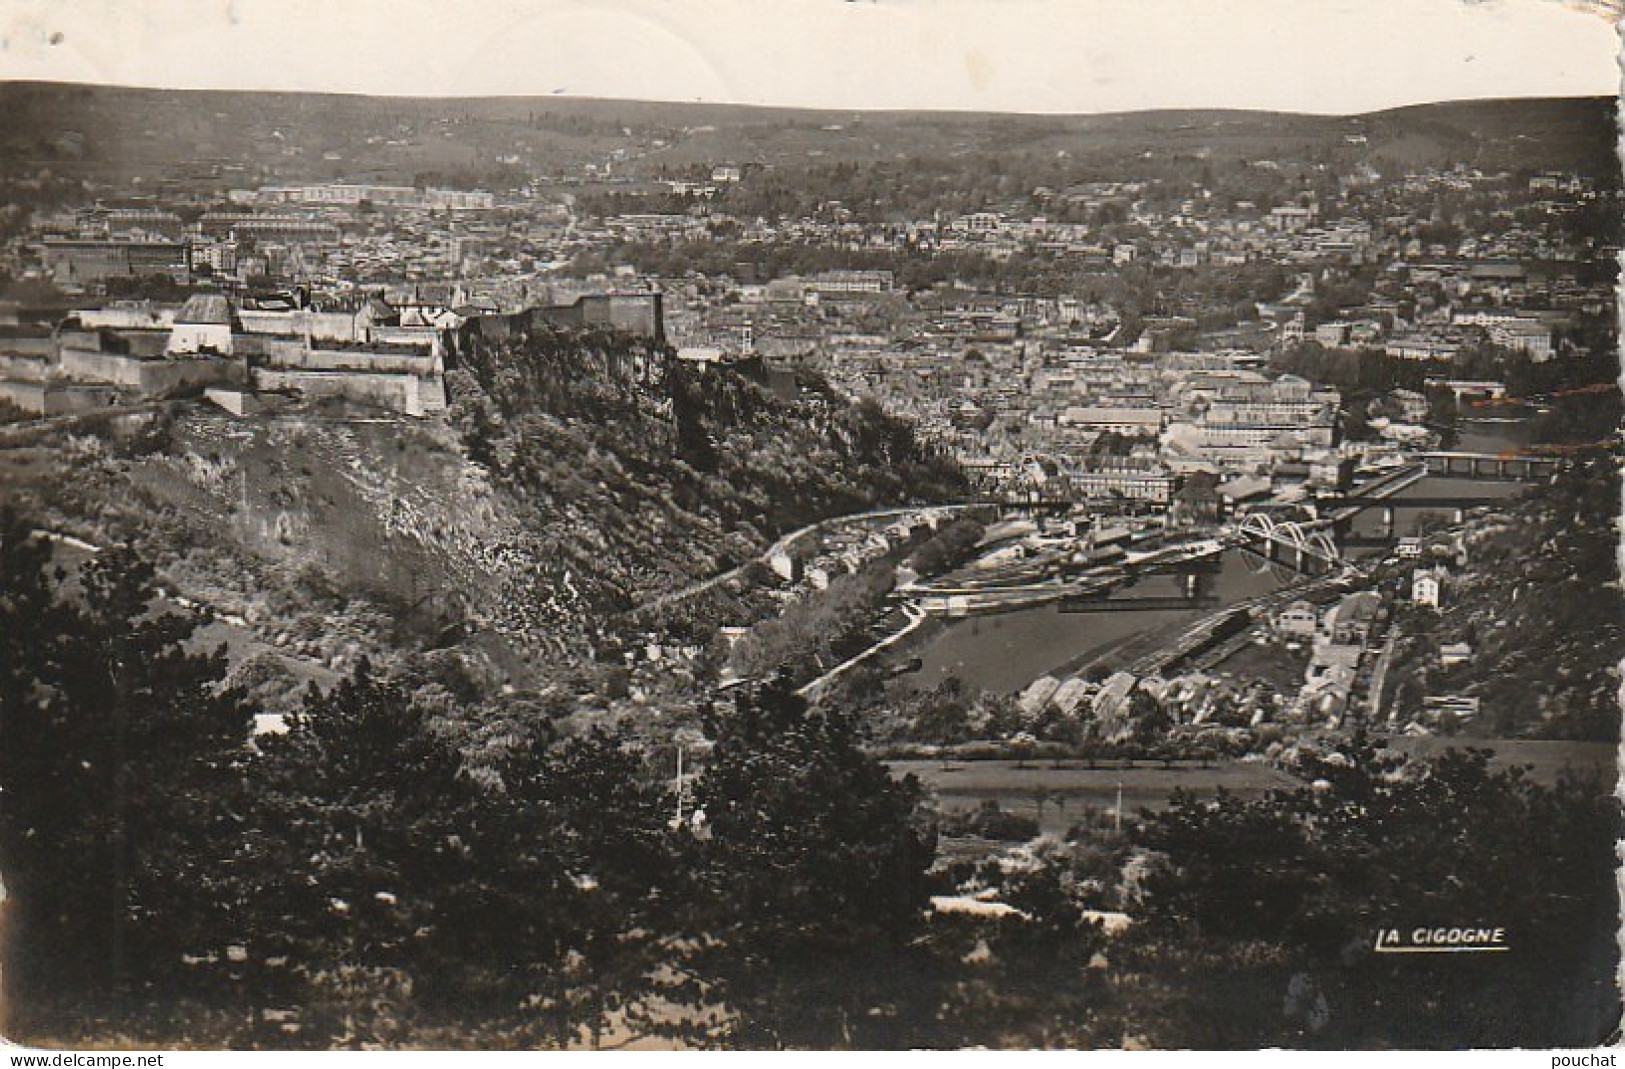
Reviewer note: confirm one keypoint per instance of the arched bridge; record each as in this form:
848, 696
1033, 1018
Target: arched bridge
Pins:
1308, 545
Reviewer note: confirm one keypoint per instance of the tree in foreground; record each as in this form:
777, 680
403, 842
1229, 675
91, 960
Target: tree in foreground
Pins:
1027, 973
812, 885
121, 780
407, 899
1259, 919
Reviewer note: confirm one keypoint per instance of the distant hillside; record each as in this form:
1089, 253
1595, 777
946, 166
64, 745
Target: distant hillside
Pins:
198, 139
1576, 134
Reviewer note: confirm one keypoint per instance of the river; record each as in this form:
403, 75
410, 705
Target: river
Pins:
1510, 431
1007, 651
1471, 492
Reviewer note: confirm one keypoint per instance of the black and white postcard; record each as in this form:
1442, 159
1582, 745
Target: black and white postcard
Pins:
893, 525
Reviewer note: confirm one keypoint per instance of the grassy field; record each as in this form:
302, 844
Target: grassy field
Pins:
1060, 793
1546, 759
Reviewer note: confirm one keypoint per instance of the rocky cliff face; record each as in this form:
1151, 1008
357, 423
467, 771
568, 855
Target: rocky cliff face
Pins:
577, 476
1538, 605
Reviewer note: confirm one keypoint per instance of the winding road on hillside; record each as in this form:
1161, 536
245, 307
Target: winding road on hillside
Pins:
783, 544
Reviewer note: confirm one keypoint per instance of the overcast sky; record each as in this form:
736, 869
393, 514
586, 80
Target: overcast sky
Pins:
1335, 56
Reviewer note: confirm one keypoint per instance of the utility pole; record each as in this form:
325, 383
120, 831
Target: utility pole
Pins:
1117, 813
121, 879
677, 821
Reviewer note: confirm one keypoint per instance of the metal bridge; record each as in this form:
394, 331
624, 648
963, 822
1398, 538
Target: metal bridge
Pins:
1308, 544
1383, 494
1389, 485
1517, 466
1257, 563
